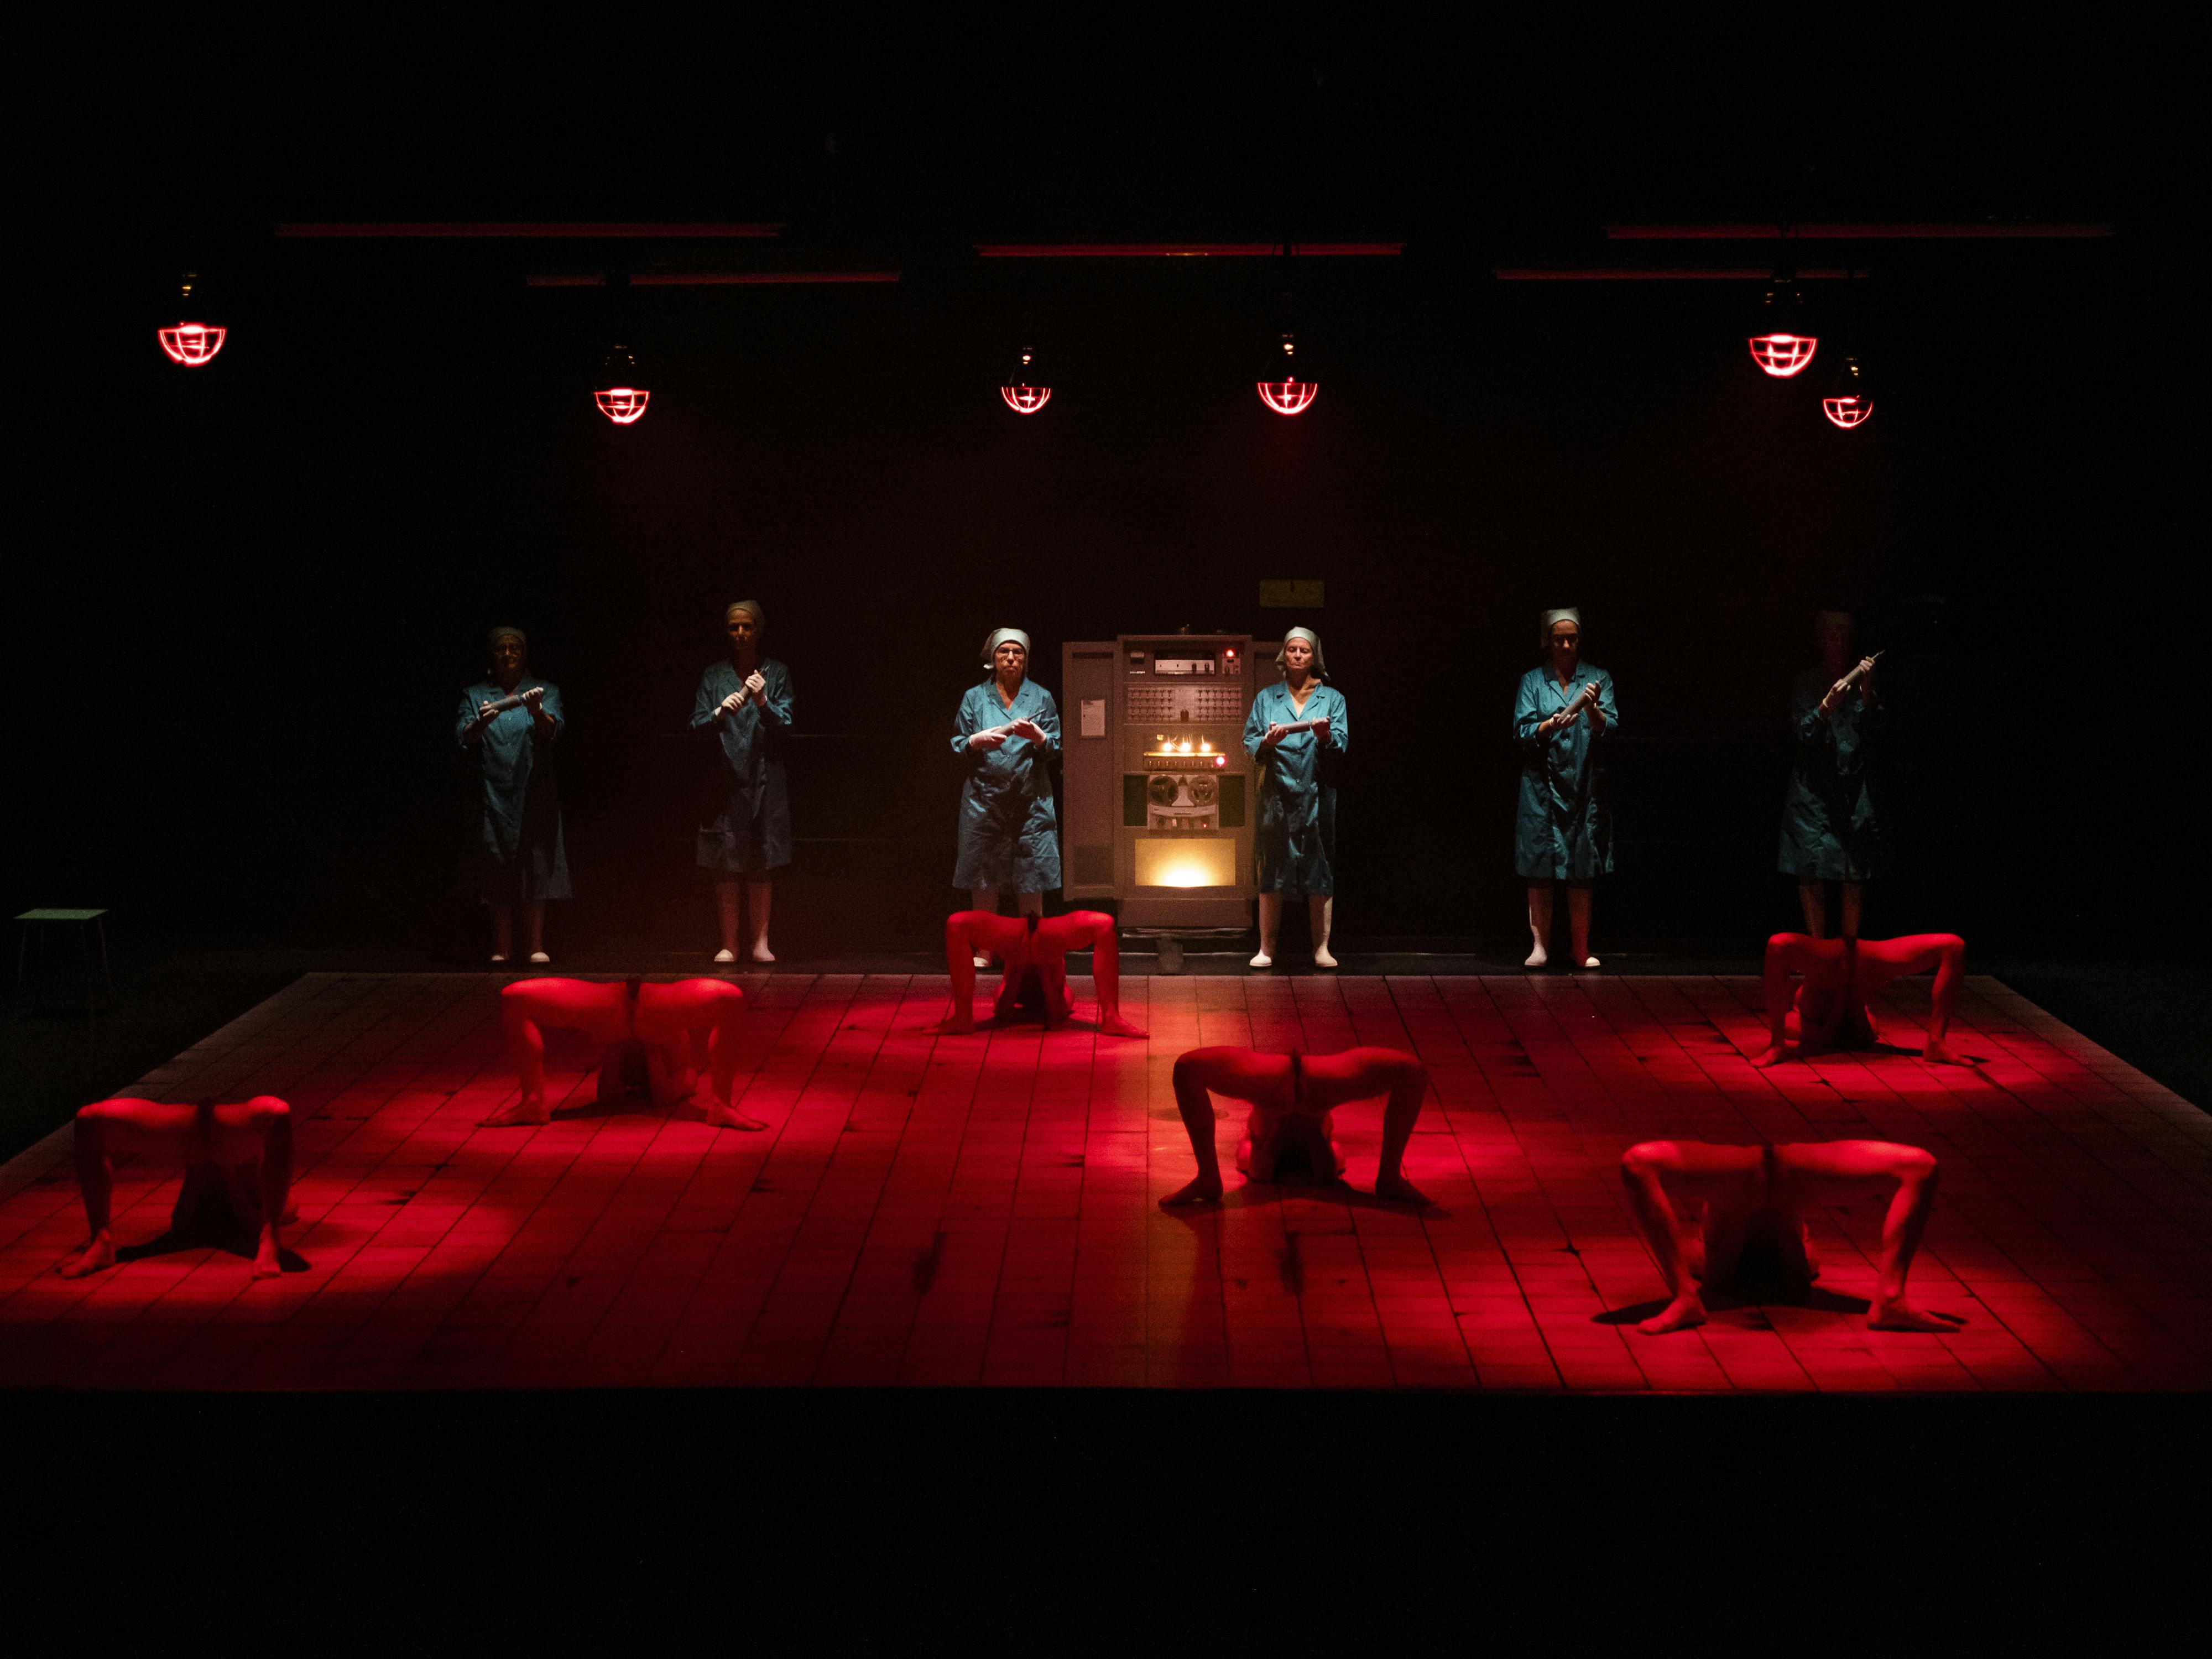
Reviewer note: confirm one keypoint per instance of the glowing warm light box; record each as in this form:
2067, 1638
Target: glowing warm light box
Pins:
1847, 412
192, 344
1287, 397
1783, 354
1025, 400
622, 404
1173, 861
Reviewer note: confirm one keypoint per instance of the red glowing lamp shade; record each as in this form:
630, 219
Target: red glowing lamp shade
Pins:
192, 344
1020, 391
622, 404
1287, 397
1847, 412
1783, 354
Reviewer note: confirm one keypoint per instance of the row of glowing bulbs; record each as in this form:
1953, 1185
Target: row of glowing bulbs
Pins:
1783, 353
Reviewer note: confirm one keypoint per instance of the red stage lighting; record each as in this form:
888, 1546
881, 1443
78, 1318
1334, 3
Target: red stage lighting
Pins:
1290, 395
1850, 399
1781, 341
1021, 396
192, 344
616, 392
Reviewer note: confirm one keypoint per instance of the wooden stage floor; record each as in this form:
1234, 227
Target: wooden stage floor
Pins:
981, 1210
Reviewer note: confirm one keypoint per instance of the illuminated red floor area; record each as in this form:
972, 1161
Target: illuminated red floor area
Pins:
982, 1210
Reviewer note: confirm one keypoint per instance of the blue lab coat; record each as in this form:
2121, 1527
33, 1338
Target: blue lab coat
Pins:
1829, 829
1564, 828
745, 825
1009, 833
1296, 842
519, 852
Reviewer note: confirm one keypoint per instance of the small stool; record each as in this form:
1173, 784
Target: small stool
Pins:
89, 928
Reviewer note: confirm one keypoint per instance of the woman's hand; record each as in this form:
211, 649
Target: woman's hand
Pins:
1029, 729
1276, 732
734, 702
1597, 714
988, 740
756, 685
1321, 726
485, 713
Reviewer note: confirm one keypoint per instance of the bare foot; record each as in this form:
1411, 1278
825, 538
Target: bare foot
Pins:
268, 1259
96, 1255
524, 1109
1206, 1189
1398, 1187
1114, 1025
1902, 1316
761, 953
952, 1025
720, 1116
1680, 1314
1323, 959
1942, 1053
1536, 959
1766, 1057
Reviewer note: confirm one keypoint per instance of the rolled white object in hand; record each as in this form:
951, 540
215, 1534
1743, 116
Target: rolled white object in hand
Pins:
1300, 725
1858, 671
1589, 694
513, 700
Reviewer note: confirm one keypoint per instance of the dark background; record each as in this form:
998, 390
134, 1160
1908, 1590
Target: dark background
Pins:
243, 600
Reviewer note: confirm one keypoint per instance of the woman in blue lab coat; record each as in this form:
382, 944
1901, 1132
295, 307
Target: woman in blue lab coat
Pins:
745, 701
1004, 738
1829, 829
520, 860
1562, 717
1295, 842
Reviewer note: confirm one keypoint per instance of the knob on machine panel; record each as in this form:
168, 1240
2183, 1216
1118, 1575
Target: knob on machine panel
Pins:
1159, 792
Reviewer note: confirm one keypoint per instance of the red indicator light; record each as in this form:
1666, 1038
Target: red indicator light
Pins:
1847, 412
622, 404
1221, 760
1783, 354
1287, 397
192, 344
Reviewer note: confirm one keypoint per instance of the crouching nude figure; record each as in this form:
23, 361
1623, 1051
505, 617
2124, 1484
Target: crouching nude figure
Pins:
238, 1172
1733, 1219
1035, 951
657, 1040
1292, 1097
1833, 1006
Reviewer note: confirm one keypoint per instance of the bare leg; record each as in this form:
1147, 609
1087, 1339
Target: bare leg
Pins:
1854, 903
95, 1182
1834, 1170
725, 913
1540, 925
275, 1119
1320, 910
1270, 929
718, 1007
1812, 900
963, 954
1882, 960
985, 899
534, 925
1703, 1173
502, 931
1578, 924
1334, 1080
1106, 975
1239, 1073
760, 891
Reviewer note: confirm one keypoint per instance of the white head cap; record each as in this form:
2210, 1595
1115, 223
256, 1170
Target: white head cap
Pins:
1320, 665
998, 638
